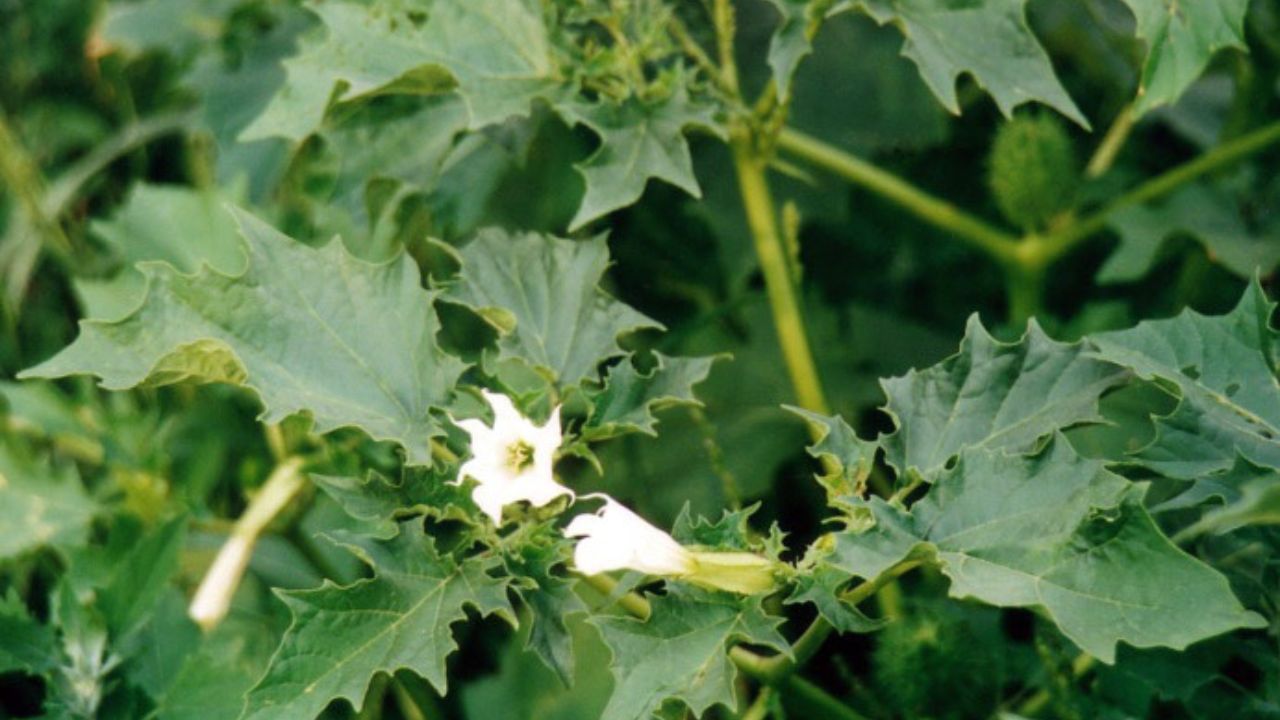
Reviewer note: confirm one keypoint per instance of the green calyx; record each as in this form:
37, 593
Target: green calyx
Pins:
739, 572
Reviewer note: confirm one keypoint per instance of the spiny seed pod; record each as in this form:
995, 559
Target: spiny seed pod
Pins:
1032, 170
933, 666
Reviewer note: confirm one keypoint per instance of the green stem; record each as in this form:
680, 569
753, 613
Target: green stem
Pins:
1037, 702
1055, 245
632, 603
939, 213
722, 18
772, 670
1025, 283
819, 702
1105, 155
783, 298
759, 709
405, 702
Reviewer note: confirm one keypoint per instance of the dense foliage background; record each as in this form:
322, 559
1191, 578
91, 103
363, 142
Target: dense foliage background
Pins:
1089, 164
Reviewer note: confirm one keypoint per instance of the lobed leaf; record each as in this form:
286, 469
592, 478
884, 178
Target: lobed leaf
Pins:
402, 617
989, 39
1057, 532
495, 52
681, 653
542, 294
992, 395
1181, 38
1223, 369
352, 343
638, 140
1204, 212
629, 397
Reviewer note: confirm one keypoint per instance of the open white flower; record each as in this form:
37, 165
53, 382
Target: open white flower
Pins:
512, 460
615, 538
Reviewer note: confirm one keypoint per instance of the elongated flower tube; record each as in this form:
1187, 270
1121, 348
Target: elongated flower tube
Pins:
512, 460
615, 538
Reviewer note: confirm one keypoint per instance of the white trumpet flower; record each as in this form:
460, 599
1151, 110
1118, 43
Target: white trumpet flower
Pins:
512, 460
614, 538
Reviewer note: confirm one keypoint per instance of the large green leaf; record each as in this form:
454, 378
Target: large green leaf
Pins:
1057, 532
542, 293
40, 505
992, 395
496, 52
352, 343
1182, 36
681, 652
1201, 211
1223, 369
400, 618
638, 140
989, 39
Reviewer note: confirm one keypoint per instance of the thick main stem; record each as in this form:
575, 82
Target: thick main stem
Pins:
788, 319
213, 598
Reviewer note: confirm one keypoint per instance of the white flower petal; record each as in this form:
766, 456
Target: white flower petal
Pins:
617, 538
491, 498
512, 460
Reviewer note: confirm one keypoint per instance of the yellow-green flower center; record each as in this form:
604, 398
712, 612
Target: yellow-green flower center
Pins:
519, 456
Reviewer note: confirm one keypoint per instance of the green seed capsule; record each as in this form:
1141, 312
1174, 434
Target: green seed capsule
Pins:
1032, 170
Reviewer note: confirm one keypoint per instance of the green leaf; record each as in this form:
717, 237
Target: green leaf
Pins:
1181, 38
681, 652
496, 52
792, 41
822, 586
1203, 212
40, 504
638, 140
1253, 499
992, 395
177, 26
523, 689
989, 39
400, 618
352, 343
853, 456
140, 577
1223, 370
379, 502
25, 645
542, 294
550, 598
629, 397
206, 688
407, 142
143, 229
1057, 532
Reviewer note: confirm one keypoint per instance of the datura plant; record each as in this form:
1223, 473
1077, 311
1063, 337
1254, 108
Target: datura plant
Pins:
622, 359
